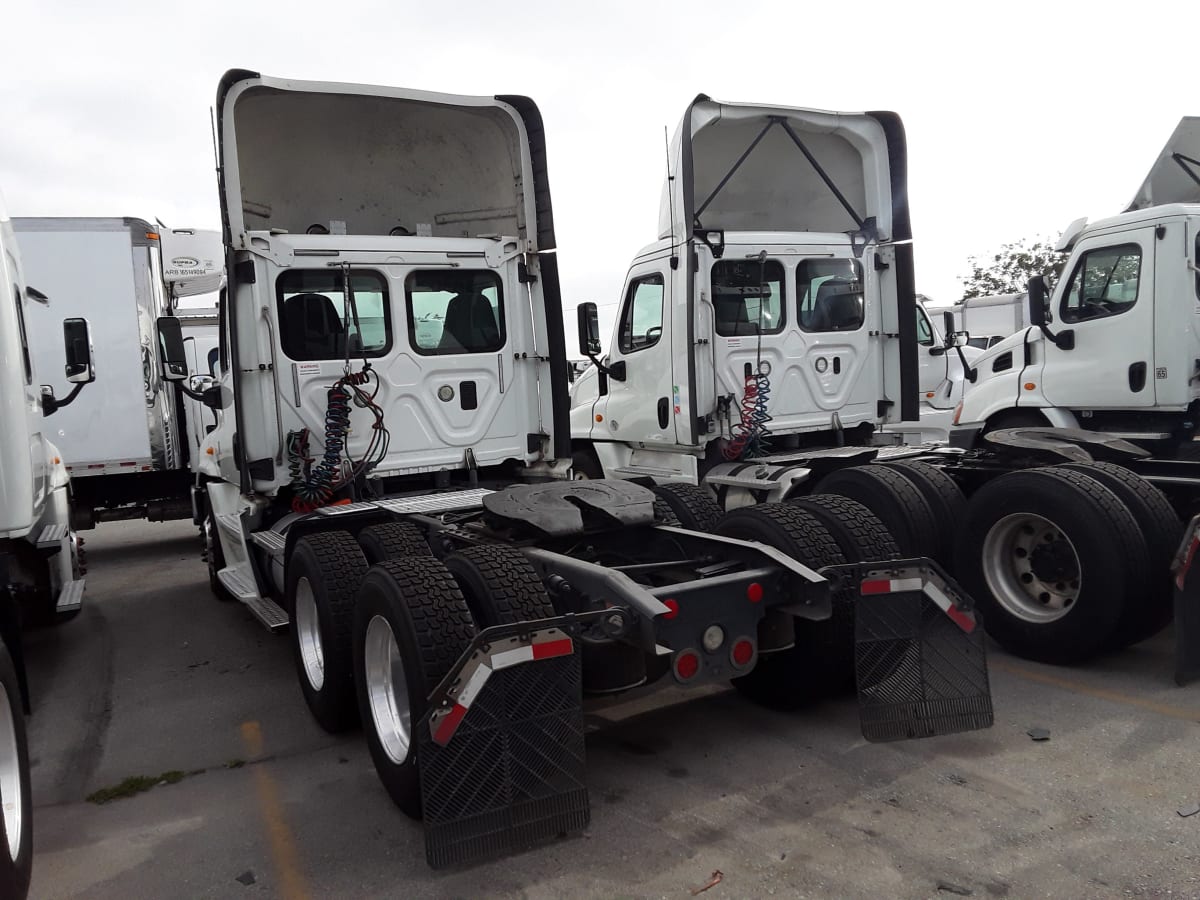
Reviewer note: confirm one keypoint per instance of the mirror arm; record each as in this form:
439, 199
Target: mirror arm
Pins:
1064, 340
616, 371
969, 371
189, 392
51, 405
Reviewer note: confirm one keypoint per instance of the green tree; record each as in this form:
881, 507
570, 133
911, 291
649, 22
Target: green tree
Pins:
1009, 271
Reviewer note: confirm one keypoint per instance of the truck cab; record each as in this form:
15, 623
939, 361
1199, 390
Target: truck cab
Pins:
776, 310
1114, 347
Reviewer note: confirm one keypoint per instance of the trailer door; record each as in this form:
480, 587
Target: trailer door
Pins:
1107, 300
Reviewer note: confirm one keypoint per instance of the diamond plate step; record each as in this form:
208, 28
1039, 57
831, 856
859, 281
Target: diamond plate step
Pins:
270, 613
71, 597
51, 537
271, 541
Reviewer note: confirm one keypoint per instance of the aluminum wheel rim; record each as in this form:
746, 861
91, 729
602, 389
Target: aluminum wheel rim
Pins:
387, 689
1032, 568
308, 635
210, 540
10, 775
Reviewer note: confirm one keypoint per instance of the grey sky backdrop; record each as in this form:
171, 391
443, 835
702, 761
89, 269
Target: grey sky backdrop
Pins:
1020, 116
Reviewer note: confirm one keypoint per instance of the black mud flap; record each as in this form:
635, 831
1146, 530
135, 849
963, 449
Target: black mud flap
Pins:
501, 752
1187, 606
920, 659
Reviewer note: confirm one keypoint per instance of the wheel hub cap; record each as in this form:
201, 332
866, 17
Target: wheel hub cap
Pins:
10, 775
1031, 568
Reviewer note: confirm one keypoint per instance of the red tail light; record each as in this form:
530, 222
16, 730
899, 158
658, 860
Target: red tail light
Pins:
754, 592
672, 607
742, 653
687, 665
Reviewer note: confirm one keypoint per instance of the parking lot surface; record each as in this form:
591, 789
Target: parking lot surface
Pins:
156, 678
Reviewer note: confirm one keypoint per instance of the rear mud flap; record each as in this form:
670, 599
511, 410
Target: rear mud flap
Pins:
501, 751
1187, 606
920, 658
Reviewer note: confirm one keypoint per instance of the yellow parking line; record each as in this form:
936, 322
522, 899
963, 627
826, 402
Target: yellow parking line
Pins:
1078, 687
283, 845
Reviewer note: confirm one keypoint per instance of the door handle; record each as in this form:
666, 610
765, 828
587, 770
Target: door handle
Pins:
1137, 376
664, 411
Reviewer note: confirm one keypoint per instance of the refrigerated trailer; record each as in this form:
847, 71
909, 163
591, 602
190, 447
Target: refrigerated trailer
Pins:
389, 476
127, 447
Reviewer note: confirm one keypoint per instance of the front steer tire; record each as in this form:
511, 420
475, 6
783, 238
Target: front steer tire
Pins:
323, 577
411, 625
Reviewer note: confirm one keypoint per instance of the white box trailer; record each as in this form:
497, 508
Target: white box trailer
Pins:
990, 319
127, 446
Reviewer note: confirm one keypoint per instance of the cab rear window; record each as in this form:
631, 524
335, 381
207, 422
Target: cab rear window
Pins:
313, 319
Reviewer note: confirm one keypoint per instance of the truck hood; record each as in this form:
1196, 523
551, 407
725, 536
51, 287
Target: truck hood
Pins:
193, 261
747, 167
1175, 175
361, 159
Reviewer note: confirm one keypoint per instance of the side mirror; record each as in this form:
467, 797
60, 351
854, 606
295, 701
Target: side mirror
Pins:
77, 341
947, 323
1037, 301
170, 346
588, 321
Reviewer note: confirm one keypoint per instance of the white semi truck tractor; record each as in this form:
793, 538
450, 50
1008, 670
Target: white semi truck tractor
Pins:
389, 480
40, 577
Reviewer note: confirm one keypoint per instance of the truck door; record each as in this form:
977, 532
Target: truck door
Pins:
1107, 300
931, 357
642, 406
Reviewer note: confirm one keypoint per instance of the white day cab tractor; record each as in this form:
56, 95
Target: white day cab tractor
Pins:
41, 580
738, 371
389, 477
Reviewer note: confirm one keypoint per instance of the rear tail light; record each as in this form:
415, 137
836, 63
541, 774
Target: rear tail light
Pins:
742, 653
687, 665
754, 592
672, 609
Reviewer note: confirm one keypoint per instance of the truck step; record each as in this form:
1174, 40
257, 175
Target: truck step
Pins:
51, 537
70, 598
269, 613
271, 541
239, 581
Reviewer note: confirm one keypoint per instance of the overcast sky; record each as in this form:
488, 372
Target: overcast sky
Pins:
1020, 116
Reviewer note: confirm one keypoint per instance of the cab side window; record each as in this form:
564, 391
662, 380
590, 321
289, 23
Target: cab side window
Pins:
25, 357
924, 331
642, 317
1104, 283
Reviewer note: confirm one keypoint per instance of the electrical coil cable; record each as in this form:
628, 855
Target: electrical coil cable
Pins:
748, 436
315, 485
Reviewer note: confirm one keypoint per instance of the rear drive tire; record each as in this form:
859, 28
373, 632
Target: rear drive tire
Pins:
894, 499
500, 585
946, 500
1145, 615
859, 533
16, 817
323, 577
693, 505
391, 540
1051, 556
411, 625
814, 667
